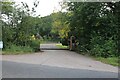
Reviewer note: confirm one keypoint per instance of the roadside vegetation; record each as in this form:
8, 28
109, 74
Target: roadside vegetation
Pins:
95, 26
111, 60
114, 61
18, 33
14, 50
62, 46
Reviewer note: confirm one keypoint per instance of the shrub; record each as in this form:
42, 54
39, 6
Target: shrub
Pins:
110, 48
103, 48
64, 42
35, 44
82, 49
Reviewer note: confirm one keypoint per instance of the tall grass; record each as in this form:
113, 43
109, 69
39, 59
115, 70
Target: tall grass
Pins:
14, 49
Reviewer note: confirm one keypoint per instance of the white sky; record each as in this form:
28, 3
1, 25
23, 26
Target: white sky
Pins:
45, 7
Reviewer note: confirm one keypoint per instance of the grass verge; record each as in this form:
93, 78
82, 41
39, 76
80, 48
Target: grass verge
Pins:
114, 61
61, 46
14, 50
111, 60
14, 53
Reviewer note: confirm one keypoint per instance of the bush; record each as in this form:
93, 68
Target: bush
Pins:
64, 41
35, 44
32, 46
103, 48
82, 49
110, 48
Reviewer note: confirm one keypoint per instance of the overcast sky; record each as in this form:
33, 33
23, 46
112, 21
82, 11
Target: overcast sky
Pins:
45, 7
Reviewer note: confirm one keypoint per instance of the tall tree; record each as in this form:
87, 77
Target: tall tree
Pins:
95, 26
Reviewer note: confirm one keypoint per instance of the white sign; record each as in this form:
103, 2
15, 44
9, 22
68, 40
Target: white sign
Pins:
1, 44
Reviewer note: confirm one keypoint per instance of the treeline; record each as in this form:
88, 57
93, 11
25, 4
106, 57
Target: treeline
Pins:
53, 27
95, 26
22, 28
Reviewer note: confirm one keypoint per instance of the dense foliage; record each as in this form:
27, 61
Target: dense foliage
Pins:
95, 26
17, 25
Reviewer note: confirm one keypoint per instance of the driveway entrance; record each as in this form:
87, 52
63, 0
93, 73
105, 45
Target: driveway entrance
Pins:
56, 63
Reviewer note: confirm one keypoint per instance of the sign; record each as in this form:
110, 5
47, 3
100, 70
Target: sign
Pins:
1, 44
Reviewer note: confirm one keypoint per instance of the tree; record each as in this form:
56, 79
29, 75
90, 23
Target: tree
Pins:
95, 26
60, 24
18, 23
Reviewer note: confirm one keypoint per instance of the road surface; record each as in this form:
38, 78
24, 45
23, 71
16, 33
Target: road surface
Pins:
55, 64
23, 70
51, 46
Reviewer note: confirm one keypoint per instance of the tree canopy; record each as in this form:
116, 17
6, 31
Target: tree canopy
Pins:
95, 26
